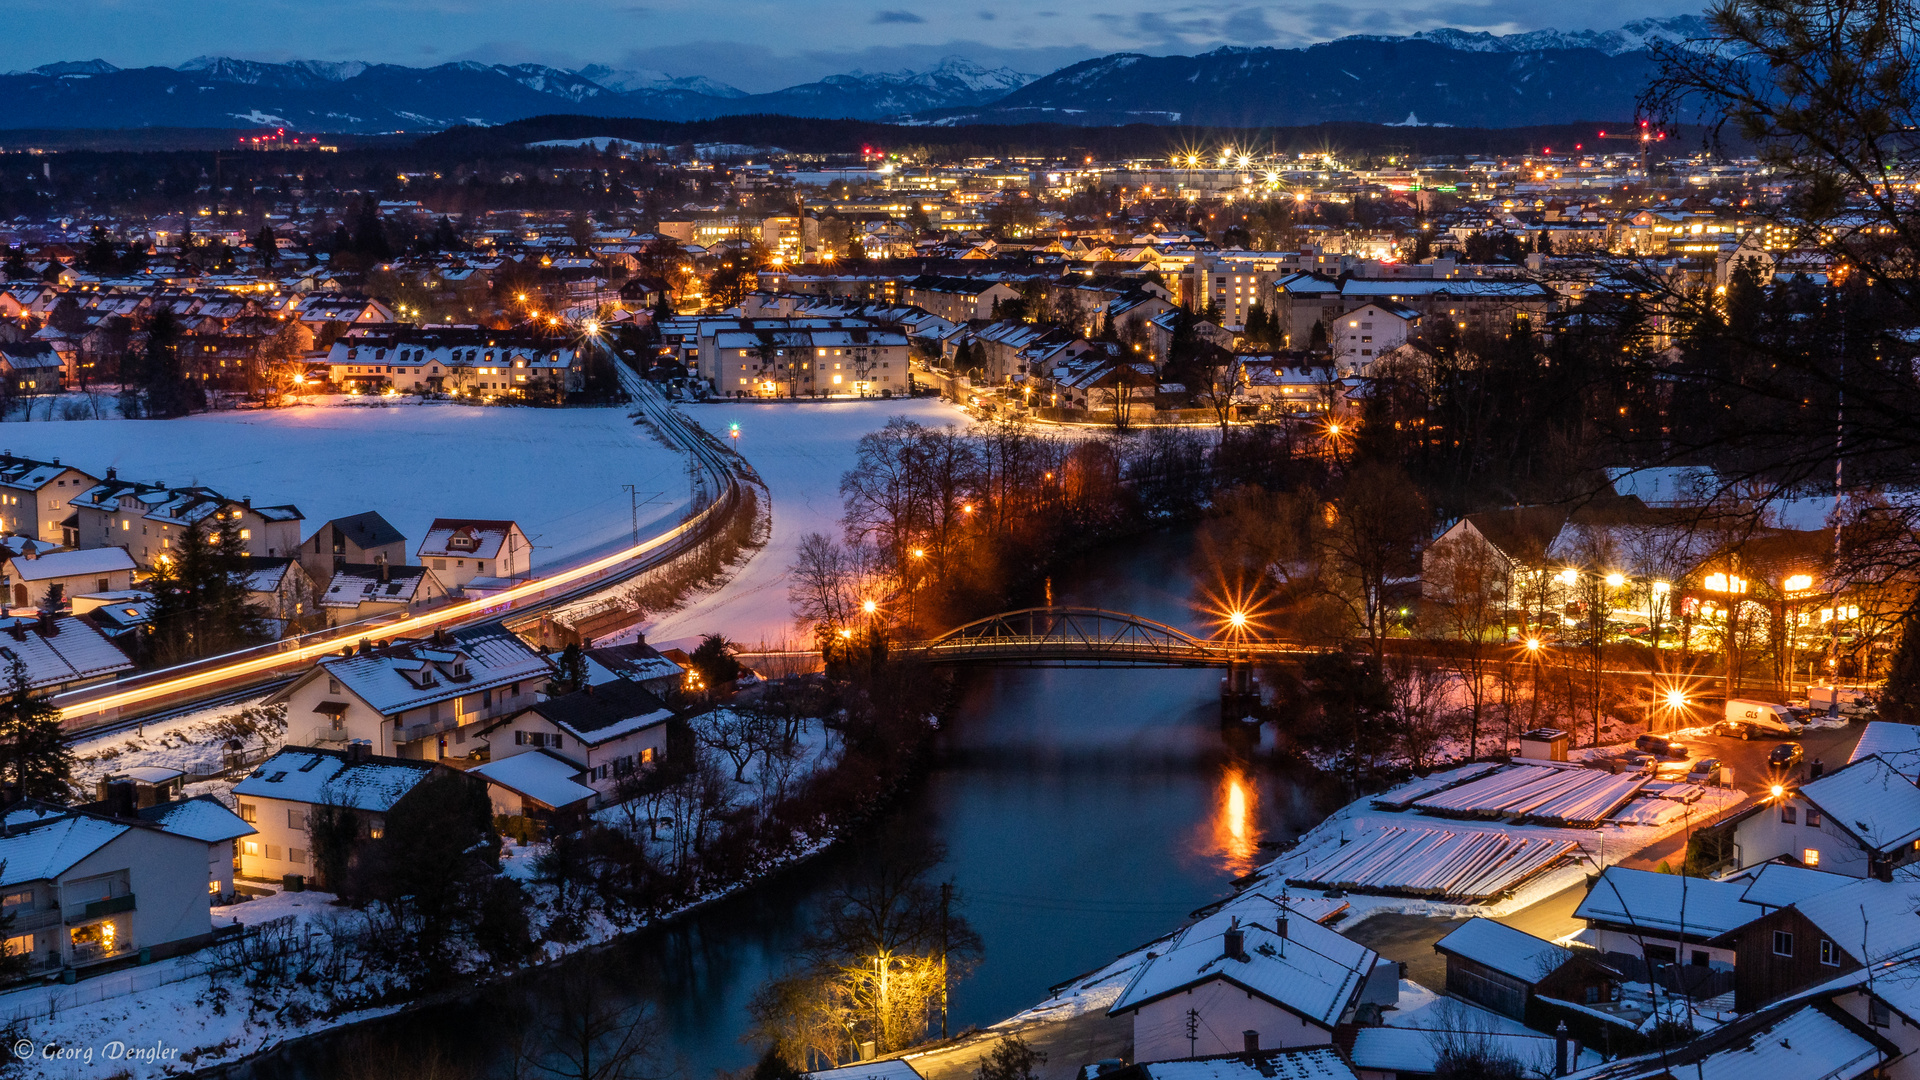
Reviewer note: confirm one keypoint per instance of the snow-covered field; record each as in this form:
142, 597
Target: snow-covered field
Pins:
800, 452
558, 472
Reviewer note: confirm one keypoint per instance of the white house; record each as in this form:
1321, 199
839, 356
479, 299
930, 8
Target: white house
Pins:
1666, 918
1255, 979
203, 818
34, 495
58, 576
359, 591
85, 889
608, 731
1861, 820
423, 700
1361, 335
459, 550
636, 662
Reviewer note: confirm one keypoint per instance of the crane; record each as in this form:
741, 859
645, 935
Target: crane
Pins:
1645, 136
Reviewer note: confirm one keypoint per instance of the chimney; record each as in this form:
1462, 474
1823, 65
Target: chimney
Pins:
45, 623
381, 562
358, 751
1251, 1039
113, 473
247, 501
1236, 941
1280, 927
120, 800
1560, 1049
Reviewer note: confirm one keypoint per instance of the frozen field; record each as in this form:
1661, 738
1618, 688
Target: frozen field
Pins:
558, 472
800, 452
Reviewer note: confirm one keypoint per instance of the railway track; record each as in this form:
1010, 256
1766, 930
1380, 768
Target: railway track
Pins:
158, 695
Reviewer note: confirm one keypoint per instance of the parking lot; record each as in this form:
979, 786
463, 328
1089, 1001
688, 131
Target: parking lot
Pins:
1748, 758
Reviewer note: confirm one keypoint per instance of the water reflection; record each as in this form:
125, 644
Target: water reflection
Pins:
1233, 840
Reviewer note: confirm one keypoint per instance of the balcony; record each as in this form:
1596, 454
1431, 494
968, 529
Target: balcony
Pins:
416, 732
98, 909
327, 733
25, 920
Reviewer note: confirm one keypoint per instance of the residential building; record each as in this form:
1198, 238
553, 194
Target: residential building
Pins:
149, 520
458, 550
34, 496
85, 889
1360, 336
1861, 820
637, 662
609, 731
363, 538
54, 579
455, 360
958, 298
279, 798
1521, 976
419, 700
1269, 980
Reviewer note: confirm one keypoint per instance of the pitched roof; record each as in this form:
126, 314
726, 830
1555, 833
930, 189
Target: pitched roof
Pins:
1312, 971
1667, 902
1776, 885
1870, 799
1896, 744
1303, 1063
200, 818
487, 537
59, 564
607, 711
539, 775
327, 777
1523, 532
639, 661
51, 848
368, 530
384, 678
1504, 949
74, 651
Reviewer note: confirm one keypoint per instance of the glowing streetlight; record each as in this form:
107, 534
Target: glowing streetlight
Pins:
1777, 790
1676, 700
1798, 583
1616, 580
869, 607
919, 553
1533, 644
1238, 620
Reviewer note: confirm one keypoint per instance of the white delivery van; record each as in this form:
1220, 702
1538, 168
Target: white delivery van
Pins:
1749, 718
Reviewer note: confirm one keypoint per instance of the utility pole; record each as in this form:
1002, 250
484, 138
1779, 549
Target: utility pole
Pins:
946, 903
1193, 1031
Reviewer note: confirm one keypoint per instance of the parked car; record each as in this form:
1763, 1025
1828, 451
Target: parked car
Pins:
1704, 770
1661, 746
1638, 761
1786, 755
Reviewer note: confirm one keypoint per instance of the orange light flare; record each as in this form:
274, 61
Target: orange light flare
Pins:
1236, 609
1234, 833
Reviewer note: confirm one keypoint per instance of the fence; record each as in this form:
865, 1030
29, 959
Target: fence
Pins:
1696, 981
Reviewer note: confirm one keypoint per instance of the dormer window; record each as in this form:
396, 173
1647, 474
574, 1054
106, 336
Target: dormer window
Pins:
459, 669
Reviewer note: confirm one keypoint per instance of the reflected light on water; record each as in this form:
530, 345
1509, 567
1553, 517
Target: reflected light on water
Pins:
1235, 834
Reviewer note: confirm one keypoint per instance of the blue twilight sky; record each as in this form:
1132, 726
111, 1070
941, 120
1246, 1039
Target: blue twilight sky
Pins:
754, 44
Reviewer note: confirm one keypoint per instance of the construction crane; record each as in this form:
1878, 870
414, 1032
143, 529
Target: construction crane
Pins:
1646, 137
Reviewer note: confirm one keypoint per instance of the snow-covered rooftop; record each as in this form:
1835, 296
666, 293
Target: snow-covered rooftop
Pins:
201, 817
538, 775
326, 777
1667, 902
1776, 885
1310, 970
60, 564
1870, 799
1306, 1063
493, 656
1504, 949
1896, 744
48, 850
73, 652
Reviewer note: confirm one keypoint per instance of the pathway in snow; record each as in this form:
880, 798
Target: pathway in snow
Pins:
558, 472
800, 450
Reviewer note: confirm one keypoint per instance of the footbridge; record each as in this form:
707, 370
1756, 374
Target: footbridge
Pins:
1073, 637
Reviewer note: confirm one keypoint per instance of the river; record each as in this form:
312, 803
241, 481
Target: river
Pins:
1084, 812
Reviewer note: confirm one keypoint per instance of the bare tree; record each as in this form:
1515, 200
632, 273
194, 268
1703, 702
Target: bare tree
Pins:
1466, 581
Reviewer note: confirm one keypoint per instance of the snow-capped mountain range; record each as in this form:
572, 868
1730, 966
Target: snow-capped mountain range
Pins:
1438, 76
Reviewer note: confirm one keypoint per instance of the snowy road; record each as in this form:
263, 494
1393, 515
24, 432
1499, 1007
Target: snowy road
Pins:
799, 450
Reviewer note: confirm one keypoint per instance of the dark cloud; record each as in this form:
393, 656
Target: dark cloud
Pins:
1248, 25
758, 68
896, 17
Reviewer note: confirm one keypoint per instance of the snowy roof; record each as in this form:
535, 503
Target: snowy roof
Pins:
539, 775
1874, 916
383, 678
1776, 885
1870, 799
1417, 1050
1896, 744
353, 584
59, 564
1813, 1042
1312, 971
323, 777
201, 818
607, 711
74, 651
459, 538
640, 662
1504, 949
1304, 1063
48, 850
1667, 902
890, 1069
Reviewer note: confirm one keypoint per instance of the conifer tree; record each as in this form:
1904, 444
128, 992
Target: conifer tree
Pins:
35, 759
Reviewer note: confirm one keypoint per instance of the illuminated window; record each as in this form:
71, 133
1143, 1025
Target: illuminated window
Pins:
1811, 856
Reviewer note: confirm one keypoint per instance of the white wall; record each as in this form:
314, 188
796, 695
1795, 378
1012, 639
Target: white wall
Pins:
167, 874
1764, 836
1226, 1012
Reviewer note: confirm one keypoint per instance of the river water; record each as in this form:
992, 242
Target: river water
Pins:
1084, 812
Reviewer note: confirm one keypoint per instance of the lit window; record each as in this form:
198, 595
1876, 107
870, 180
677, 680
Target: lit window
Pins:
1810, 856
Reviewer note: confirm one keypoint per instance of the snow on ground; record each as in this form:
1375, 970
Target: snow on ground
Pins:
194, 743
558, 472
800, 451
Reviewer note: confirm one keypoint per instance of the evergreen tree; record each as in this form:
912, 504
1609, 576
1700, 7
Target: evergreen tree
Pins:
572, 673
200, 601
35, 759
169, 392
266, 246
1900, 701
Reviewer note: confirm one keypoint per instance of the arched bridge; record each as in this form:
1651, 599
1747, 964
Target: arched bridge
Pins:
1085, 637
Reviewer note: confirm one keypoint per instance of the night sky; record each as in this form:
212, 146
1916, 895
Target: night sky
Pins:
756, 45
